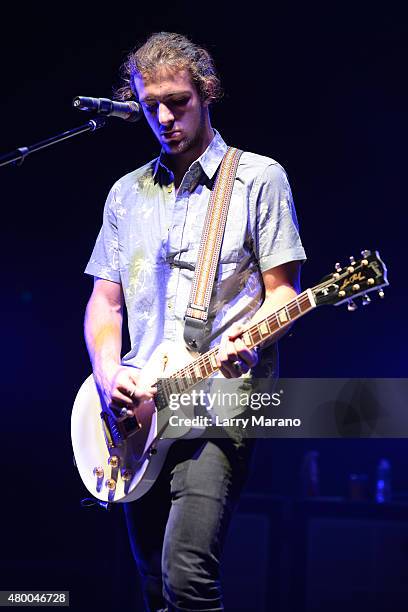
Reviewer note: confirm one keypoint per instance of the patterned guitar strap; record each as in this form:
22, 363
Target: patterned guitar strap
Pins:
196, 316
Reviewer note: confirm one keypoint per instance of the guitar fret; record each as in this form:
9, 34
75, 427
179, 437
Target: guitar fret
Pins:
263, 328
197, 371
163, 385
186, 376
271, 326
257, 336
162, 399
185, 380
246, 337
203, 371
298, 305
207, 365
166, 389
172, 386
305, 303
293, 310
213, 361
282, 316
191, 374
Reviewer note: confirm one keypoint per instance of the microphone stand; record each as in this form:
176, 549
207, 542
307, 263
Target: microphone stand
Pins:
17, 156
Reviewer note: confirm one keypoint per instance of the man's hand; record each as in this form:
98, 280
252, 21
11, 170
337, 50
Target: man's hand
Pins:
120, 388
234, 358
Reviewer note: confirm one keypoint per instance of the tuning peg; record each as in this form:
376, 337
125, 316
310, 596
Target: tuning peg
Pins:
381, 293
365, 253
338, 267
351, 306
366, 300
352, 260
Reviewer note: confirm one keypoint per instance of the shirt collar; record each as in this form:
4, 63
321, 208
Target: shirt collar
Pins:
209, 160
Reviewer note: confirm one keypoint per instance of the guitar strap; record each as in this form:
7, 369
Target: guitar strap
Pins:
209, 251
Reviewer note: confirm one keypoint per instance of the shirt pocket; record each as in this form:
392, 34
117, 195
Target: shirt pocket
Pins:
232, 242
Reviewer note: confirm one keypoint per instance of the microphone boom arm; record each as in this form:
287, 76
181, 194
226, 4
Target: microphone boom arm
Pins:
17, 156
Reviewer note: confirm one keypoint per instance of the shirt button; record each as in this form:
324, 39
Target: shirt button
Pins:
169, 305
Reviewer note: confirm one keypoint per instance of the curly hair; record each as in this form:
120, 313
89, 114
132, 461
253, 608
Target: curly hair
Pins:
174, 51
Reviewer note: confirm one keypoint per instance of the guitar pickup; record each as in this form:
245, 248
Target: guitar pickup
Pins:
129, 426
116, 432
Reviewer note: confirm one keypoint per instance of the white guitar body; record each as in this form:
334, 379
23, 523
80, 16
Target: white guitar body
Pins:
125, 472
120, 461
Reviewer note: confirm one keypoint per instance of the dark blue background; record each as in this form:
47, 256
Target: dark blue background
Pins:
321, 89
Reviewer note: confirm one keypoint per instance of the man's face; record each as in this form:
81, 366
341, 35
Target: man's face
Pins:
173, 109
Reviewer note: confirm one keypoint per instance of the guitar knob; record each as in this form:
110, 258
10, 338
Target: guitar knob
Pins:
352, 260
113, 461
365, 253
110, 484
98, 472
338, 267
366, 300
381, 293
351, 306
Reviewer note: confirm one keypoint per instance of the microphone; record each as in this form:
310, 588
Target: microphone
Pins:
129, 111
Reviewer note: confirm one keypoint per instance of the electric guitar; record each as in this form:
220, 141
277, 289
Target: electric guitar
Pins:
119, 461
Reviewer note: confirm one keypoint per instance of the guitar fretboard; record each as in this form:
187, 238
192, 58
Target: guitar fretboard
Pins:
204, 366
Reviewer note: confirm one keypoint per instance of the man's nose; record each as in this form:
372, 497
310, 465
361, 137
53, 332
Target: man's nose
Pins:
165, 115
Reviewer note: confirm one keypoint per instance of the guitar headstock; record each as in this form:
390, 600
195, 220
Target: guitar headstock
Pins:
359, 278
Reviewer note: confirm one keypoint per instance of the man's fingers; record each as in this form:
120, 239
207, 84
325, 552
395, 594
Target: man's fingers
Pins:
121, 412
226, 358
235, 330
235, 358
248, 356
136, 391
120, 398
143, 393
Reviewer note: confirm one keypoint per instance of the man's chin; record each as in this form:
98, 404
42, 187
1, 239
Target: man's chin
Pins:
176, 147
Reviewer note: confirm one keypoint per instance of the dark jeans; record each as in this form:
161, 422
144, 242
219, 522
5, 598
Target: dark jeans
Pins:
178, 528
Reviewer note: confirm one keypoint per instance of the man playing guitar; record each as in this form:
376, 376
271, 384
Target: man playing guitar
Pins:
144, 259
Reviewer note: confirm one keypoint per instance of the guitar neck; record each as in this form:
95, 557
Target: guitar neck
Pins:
206, 365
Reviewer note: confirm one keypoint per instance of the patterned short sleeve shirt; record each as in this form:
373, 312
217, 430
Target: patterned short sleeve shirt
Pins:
146, 227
